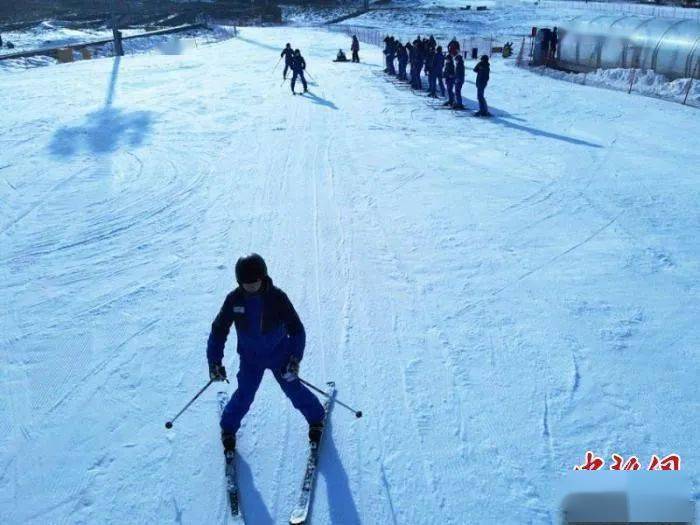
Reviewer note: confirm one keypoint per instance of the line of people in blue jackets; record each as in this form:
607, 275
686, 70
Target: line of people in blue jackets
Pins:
445, 71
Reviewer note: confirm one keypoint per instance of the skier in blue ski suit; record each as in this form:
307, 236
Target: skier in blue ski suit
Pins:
288, 54
438, 66
270, 337
298, 66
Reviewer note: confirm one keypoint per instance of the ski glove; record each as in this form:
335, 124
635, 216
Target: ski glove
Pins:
217, 372
291, 371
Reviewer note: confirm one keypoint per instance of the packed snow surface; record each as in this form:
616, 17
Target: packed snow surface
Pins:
498, 296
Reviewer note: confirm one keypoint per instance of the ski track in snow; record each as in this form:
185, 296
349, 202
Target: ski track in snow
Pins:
497, 296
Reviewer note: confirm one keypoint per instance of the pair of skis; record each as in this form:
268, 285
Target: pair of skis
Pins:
300, 513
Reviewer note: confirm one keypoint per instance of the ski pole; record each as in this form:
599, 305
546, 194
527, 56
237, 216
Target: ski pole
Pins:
358, 413
277, 64
312, 78
169, 424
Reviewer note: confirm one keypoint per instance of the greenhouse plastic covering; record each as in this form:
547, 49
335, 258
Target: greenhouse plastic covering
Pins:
668, 46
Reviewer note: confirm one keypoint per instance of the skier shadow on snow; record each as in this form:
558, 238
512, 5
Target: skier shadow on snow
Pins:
254, 508
103, 130
505, 119
319, 100
341, 505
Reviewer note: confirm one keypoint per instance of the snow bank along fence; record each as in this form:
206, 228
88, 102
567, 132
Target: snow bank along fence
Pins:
668, 47
659, 11
645, 51
482, 45
64, 53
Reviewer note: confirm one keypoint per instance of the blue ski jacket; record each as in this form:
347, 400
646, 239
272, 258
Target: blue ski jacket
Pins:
268, 327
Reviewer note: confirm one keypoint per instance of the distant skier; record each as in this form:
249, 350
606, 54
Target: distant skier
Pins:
438, 66
482, 70
402, 55
270, 337
449, 74
340, 57
390, 52
288, 55
459, 81
298, 66
453, 47
553, 42
432, 73
355, 48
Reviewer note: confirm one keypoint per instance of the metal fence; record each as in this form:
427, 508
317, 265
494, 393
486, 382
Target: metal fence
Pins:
663, 11
483, 45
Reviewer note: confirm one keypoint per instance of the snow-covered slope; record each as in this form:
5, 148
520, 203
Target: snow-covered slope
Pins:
498, 296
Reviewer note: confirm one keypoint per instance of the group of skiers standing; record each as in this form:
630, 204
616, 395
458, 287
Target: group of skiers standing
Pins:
444, 70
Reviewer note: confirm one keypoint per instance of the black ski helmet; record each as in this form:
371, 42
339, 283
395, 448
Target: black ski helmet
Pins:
250, 268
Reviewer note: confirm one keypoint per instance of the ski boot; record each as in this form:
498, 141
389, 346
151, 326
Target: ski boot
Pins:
447, 103
315, 432
458, 106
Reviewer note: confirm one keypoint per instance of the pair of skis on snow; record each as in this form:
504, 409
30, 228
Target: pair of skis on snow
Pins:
300, 514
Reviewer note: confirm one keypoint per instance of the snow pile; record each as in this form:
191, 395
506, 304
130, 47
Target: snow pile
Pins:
311, 15
54, 33
169, 44
504, 20
644, 82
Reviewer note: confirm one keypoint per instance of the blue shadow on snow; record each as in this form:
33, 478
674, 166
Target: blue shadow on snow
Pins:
320, 101
342, 507
252, 504
103, 130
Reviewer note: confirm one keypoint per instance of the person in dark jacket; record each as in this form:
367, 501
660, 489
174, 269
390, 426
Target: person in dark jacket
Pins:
438, 66
270, 337
459, 81
288, 54
449, 74
482, 70
554, 41
298, 66
453, 47
410, 54
432, 74
391, 55
417, 67
402, 55
355, 48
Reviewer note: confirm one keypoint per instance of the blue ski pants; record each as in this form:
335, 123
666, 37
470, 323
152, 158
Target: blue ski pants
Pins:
441, 85
483, 107
299, 74
458, 91
249, 377
450, 89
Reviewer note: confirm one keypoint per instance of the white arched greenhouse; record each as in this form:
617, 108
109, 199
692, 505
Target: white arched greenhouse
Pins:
668, 46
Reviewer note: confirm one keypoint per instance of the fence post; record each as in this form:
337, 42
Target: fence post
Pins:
690, 83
